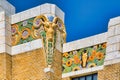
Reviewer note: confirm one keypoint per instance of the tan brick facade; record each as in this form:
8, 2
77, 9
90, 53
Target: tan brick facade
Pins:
28, 66
5, 66
57, 65
110, 72
67, 78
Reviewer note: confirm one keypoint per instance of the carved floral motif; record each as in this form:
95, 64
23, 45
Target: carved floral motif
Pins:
44, 27
84, 58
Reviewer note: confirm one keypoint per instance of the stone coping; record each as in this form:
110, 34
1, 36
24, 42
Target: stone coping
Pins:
85, 42
112, 61
47, 9
7, 7
29, 46
114, 21
112, 55
82, 72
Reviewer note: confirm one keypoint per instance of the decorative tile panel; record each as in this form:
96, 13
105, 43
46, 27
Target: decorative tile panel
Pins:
44, 27
84, 58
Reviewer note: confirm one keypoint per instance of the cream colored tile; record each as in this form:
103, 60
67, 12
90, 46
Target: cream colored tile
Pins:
2, 25
114, 21
110, 62
45, 8
8, 26
36, 44
35, 11
59, 13
25, 15
8, 49
2, 48
52, 9
114, 39
111, 31
83, 72
7, 6
112, 55
2, 40
8, 37
15, 18
4, 5
2, 16
97, 68
117, 29
16, 49
100, 38
25, 47
113, 47
2, 32
85, 42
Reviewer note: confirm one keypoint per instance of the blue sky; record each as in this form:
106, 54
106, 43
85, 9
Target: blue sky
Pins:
83, 18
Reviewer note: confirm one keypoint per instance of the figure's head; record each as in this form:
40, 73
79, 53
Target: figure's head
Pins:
50, 25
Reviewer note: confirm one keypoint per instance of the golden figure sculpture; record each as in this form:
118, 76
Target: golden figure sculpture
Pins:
84, 59
45, 28
50, 29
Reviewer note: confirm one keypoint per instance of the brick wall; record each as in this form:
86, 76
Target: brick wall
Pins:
5, 66
67, 78
29, 65
110, 72
57, 65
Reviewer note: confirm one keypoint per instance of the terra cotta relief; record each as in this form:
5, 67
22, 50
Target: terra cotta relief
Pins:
44, 27
84, 58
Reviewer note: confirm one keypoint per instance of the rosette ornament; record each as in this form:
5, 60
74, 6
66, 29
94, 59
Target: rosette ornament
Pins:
15, 34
